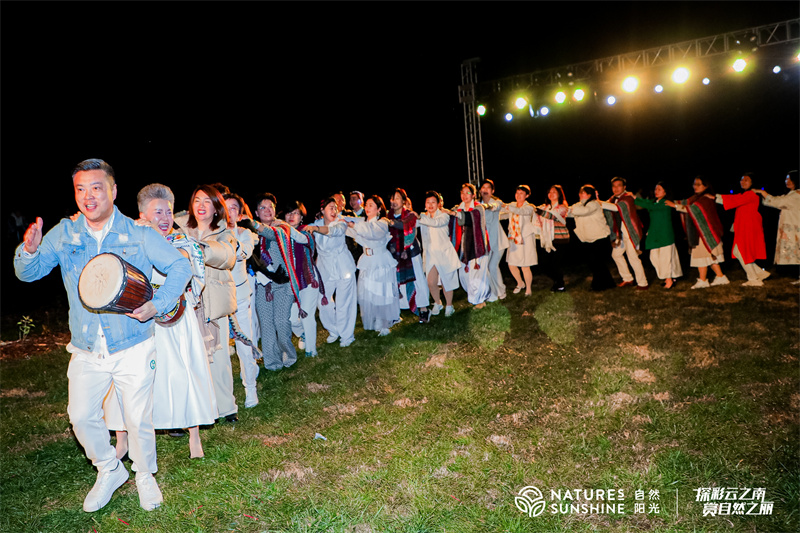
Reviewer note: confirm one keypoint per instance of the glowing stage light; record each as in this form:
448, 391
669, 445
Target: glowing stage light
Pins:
531, 111
611, 100
706, 81
521, 102
509, 117
658, 88
739, 65
560, 97
630, 84
680, 75
544, 111
776, 69
481, 110
578, 95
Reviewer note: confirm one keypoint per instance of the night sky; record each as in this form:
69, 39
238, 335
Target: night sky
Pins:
303, 99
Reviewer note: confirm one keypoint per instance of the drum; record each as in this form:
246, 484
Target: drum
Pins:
170, 319
109, 283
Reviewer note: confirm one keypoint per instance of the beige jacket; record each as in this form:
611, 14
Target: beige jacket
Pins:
219, 254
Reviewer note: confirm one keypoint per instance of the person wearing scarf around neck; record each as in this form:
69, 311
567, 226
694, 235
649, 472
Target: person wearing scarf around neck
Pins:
521, 239
628, 232
787, 246
554, 236
660, 236
498, 242
472, 244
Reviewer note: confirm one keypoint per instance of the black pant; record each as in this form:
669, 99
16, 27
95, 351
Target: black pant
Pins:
596, 255
552, 263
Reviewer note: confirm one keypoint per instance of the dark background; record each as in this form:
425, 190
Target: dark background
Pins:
304, 99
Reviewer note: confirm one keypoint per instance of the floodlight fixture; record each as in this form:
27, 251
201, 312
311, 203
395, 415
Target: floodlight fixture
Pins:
658, 88
481, 110
521, 103
739, 65
578, 95
630, 84
680, 75
560, 97
509, 117
706, 81
611, 100
544, 111
776, 69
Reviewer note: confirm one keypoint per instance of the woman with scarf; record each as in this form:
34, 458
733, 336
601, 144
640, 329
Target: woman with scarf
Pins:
183, 391
439, 257
554, 235
521, 239
378, 295
405, 249
593, 232
309, 280
704, 233
748, 230
472, 244
787, 246
660, 236
338, 271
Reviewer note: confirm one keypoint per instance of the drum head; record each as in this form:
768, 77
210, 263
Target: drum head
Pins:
100, 281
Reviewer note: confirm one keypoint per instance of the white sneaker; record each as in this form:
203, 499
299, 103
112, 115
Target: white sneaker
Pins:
753, 283
345, 343
702, 284
250, 398
149, 494
383, 332
107, 482
449, 310
301, 344
720, 280
437, 308
763, 274
331, 338
796, 282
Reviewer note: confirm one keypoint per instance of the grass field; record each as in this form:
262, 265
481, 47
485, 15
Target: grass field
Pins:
438, 427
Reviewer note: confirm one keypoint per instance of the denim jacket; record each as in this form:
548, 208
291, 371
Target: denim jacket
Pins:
71, 246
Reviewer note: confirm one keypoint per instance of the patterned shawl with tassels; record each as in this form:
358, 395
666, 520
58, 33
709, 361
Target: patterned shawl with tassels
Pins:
403, 240
281, 234
706, 226
627, 215
305, 265
472, 240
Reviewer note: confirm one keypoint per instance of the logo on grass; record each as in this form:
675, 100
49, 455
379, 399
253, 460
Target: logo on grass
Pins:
530, 501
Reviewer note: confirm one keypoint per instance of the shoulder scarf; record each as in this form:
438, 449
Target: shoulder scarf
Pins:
284, 240
514, 228
401, 241
626, 211
472, 241
706, 226
306, 266
183, 242
237, 334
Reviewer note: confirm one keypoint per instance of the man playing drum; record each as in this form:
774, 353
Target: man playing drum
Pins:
108, 347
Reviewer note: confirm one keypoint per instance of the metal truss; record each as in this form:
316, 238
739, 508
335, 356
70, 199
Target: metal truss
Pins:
472, 124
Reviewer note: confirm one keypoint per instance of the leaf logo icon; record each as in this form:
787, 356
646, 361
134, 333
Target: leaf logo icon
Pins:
530, 501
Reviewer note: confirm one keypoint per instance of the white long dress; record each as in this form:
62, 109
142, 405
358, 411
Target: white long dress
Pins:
437, 248
524, 254
183, 392
378, 295
787, 246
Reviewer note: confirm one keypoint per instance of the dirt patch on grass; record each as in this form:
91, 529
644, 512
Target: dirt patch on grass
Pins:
501, 441
341, 409
407, 402
32, 346
643, 352
786, 358
639, 419
317, 387
618, 400
272, 441
294, 471
21, 393
436, 361
661, 396
464, 431
643, 376
515, 419
702, 359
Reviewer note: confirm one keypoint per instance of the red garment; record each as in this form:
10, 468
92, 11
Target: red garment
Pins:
748, 231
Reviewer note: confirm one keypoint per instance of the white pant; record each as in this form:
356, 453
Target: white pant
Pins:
627, 247
665, 261
496, 284
423, 294
248, 365
306, 326
222, 371
751, 269
90, 377
339, 316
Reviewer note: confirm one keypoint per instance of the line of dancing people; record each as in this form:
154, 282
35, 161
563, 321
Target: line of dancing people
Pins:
255, 277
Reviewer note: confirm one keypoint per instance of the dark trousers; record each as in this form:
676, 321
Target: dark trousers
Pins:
552, 263
596, 255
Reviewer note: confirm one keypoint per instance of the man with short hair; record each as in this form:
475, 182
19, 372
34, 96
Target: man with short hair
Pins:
357, 203
108, 347
498, 241
628, 230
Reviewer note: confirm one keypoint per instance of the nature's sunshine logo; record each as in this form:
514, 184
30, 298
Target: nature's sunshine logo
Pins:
530, 501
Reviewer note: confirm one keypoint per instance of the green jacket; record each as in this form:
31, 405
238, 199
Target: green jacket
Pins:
660, 233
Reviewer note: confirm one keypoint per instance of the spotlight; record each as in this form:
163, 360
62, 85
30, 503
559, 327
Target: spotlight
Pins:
658, 88
531, 111
509, 117
776, 69
521, 102
706, 81
680, 75
630, 84
560, 97
739, 65
481, 110
544, 111
611, 100
578, 95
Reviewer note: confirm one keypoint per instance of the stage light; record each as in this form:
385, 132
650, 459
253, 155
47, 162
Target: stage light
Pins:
658, 88
578, 95
706, 81
611, 100
481, 110
680, 75
776, 69
560, 97
544, 111
739, 65
531, 111
509, 117
630, 84
521, 102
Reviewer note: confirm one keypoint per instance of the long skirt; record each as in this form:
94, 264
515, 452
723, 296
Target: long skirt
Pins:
378, 298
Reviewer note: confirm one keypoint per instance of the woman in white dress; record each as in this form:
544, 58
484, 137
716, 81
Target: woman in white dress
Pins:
438, 254
378, 294
183, 391
787, 246
521, 239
